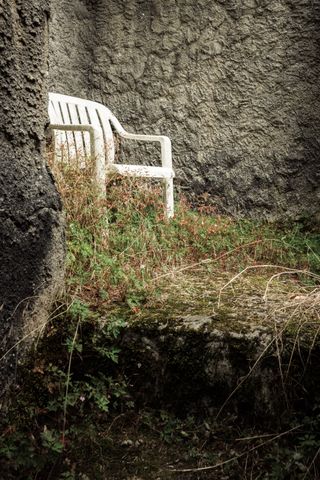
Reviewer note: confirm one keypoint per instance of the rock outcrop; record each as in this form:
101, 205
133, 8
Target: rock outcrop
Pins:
218, 350
31, 233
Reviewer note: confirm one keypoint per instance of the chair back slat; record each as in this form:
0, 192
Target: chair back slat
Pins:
103, 114
55, 110
60, 137
77, 136
70, 136
83, 120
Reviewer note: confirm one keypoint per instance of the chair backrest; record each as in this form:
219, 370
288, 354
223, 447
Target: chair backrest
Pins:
66, 110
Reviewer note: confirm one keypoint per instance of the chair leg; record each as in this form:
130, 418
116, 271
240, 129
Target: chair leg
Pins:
101, 175
168, 197
96, 149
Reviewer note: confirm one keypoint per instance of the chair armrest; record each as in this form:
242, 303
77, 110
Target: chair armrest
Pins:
165, 143
142, 171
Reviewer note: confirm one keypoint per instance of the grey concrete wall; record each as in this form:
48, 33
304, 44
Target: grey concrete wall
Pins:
72, 44
235, 84
31, 226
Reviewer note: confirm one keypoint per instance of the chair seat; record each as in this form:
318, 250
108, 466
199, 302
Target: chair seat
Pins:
141, 171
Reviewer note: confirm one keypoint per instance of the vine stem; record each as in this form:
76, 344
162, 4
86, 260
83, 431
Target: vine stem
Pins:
220, 464
65, 403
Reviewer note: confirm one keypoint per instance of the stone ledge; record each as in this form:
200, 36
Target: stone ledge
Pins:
263, 355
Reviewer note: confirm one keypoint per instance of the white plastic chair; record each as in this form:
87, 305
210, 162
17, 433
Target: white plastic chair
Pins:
83, 129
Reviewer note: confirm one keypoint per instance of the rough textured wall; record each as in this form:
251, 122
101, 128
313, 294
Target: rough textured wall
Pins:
71, 46
234, 83
31, 233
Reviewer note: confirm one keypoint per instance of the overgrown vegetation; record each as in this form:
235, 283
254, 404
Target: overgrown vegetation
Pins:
118, 247
71, 396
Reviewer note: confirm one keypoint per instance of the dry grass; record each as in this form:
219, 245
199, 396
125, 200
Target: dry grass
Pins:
122, 248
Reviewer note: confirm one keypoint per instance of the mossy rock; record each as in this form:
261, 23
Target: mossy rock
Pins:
243, 352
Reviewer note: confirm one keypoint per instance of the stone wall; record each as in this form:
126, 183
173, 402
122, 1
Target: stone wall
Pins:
31, 233
235, 84
72, 44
